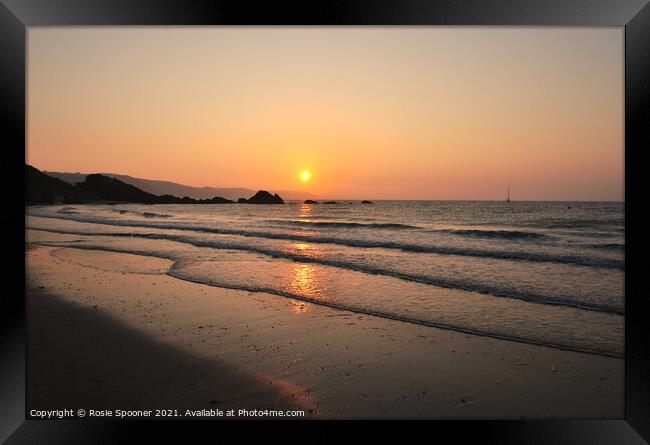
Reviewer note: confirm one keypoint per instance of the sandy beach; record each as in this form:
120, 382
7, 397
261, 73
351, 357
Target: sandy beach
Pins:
114, 331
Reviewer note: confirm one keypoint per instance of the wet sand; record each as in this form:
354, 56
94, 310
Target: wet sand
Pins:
112, 330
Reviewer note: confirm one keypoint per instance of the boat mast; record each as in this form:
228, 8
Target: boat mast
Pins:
508, 200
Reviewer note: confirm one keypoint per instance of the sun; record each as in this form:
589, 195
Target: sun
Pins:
305, 175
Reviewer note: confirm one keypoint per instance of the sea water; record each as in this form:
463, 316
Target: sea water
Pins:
545, 273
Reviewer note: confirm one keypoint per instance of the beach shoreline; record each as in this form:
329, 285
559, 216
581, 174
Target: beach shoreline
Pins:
114, 331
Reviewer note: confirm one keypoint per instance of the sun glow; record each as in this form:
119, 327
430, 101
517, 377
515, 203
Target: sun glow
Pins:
305, 175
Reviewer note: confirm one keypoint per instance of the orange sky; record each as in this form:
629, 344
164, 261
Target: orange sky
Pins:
373, 113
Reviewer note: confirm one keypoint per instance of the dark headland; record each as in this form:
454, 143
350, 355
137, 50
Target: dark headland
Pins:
43, 189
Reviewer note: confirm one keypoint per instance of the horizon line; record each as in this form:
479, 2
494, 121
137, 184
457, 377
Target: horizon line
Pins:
315, 197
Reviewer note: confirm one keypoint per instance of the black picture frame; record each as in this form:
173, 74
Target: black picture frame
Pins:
634, 15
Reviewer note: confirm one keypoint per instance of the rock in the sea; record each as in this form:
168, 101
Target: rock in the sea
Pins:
242, 200
330, 202
264, 197
309, 201
367, 202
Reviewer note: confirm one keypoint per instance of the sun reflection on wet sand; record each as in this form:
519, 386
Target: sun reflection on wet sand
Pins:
303, 283
299, 307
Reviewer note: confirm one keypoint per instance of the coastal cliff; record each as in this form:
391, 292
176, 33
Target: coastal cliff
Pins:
43, 189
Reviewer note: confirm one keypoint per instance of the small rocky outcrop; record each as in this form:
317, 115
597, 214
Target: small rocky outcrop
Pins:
264, 197
330, 202
310, 201
367, 202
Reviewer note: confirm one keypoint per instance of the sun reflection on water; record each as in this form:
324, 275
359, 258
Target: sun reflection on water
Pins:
305, 210
305, 250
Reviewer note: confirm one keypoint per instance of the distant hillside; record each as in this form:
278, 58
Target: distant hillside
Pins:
44, 189
41, 188
156, 187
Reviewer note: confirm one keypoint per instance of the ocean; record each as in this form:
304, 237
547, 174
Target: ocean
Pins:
543, 273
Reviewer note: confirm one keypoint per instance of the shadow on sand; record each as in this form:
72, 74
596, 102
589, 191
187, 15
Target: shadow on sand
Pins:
81, 358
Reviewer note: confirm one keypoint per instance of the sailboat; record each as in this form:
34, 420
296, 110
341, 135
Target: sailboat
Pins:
508, 200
